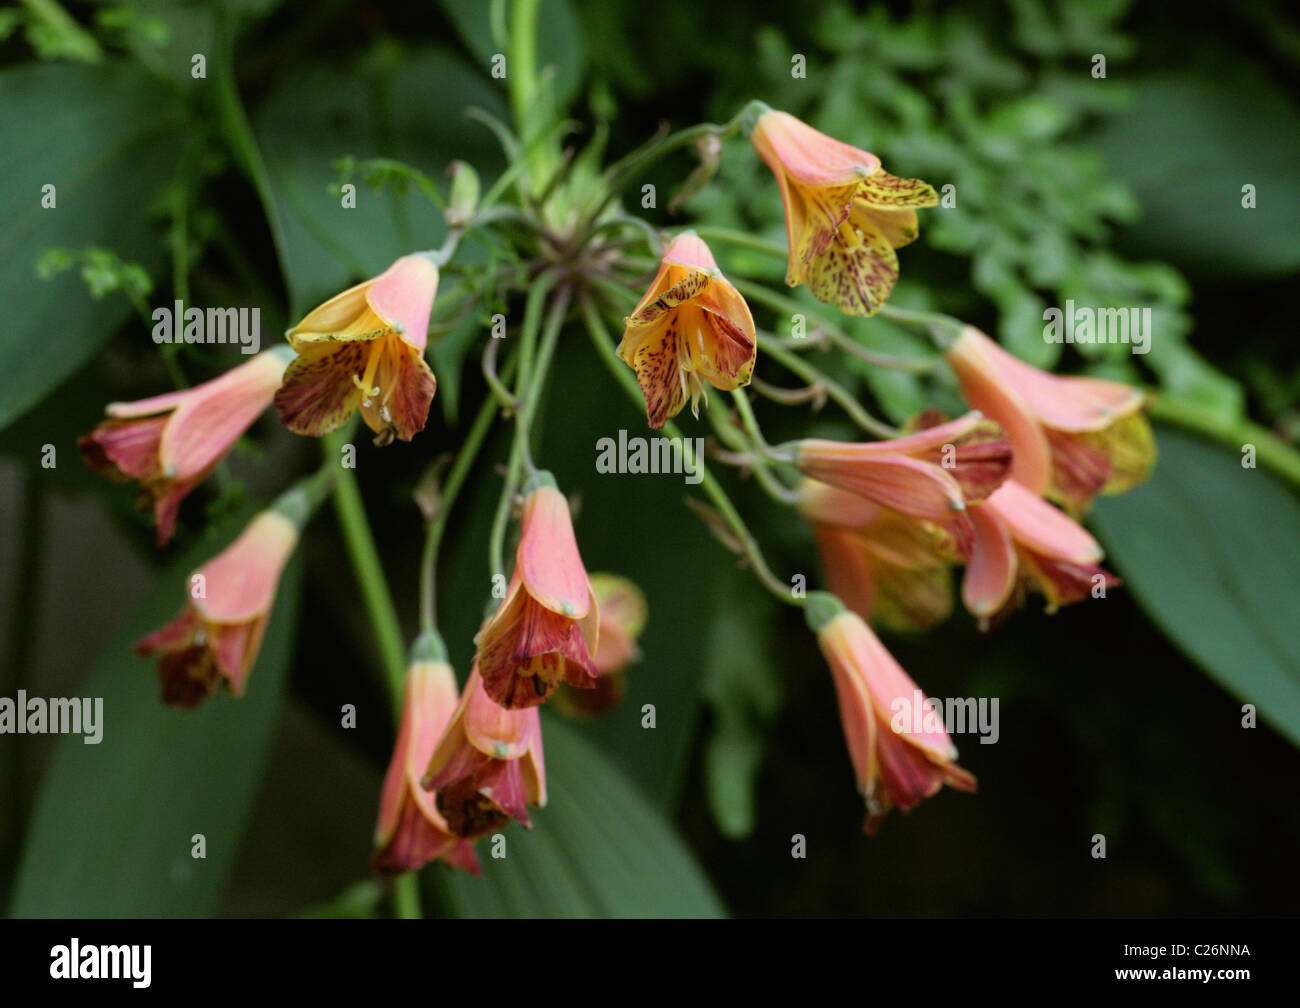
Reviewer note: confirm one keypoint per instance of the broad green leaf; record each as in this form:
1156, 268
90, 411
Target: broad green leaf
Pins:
597, 850
1209, 548
412, 112
1189, 146
106, 138
111, 832
744, 694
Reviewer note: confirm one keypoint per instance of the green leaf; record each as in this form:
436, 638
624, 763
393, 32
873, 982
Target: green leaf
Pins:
1209, 549
412, 112
111, 832
744, 693
1188, 147
597, 850
106, 138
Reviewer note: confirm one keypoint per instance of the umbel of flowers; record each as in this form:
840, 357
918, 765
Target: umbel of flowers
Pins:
890, 518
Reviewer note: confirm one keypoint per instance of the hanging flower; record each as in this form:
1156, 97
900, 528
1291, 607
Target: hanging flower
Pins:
844, 214
1073, 438
488, 766
900, 753
543, 632
171, 443
364, 349
411, 831
692, 327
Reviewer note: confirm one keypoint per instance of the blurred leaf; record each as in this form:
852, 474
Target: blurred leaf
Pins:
106, 138
412, 112
1188, 146
1209, 549
110, 835
744, 693
598, 849
359, 901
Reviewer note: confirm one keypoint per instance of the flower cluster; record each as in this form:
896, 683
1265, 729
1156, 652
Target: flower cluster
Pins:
891, 518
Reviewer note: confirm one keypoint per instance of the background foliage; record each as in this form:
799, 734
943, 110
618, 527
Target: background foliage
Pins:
224, 191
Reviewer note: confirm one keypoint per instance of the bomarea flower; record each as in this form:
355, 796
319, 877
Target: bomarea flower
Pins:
171, 443
488, 767
545, 629
887, 567
691, 327
931, 474
411, 831
901, 755
1021, 538
216, 637
365, 348
1073, 437
844, 214
623, 614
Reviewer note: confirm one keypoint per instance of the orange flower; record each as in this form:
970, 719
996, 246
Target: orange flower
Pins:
172, 442
885, 566
691, 327
931, 474
1020, 537
844, 214
1073, 437
623, 610
488, 766
365, 348
894, 767
216, 637
411, 831
546, 627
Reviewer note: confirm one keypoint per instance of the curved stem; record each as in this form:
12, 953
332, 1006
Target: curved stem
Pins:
762, 452
789, 306
450, 490
843, 398
600, 337
1272, 450
527, 352
369, 572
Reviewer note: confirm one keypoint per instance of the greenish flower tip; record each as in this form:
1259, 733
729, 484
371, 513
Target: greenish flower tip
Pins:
750, 114
296, 505
821, 608
428, 647
301, 500
538, 480
284, 351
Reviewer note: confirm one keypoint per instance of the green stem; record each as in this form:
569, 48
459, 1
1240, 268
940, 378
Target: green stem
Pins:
762, 451
789, 306
600, 337
369, 571
450, 490
814, 375
1270, 449
527, 352
521, 75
